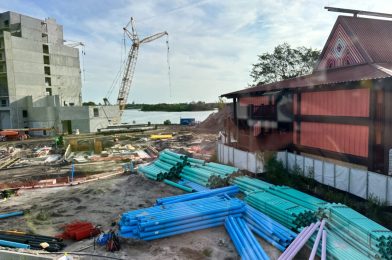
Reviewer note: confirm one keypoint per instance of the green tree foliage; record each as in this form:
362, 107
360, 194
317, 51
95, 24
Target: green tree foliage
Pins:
90, 103
284, 63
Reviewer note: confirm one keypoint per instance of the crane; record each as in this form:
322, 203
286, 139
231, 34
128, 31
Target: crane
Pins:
131, 61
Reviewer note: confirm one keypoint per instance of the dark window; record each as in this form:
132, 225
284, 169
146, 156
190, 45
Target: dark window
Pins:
4, 102
48, 91
71, 104
48, 82
6, 23
24, 112
96, 112
46, 60
47, 70
45, 49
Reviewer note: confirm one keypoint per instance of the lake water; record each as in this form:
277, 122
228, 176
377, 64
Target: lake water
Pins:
135, 116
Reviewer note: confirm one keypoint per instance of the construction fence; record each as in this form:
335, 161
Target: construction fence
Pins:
362, 183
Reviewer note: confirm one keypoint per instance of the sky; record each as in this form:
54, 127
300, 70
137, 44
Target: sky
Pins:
212, 43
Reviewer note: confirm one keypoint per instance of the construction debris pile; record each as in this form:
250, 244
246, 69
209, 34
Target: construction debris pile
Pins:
173, 165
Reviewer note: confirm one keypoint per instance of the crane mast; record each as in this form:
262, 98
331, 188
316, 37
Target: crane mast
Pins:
131, 62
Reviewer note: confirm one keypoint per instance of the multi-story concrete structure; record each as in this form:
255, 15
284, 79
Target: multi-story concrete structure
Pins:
40, 78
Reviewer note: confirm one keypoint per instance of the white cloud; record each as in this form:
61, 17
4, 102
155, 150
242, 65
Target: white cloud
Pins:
213, 43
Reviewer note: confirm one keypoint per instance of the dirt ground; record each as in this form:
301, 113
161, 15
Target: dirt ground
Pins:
102, 203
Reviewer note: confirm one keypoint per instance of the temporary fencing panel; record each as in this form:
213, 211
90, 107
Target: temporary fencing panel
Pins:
341, 178
318, 171
309, 167
361, 183
358, 182
377, 186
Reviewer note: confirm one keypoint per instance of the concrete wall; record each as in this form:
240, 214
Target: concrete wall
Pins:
25, 68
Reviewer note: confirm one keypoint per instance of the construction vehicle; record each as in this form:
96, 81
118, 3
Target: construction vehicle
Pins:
130, 64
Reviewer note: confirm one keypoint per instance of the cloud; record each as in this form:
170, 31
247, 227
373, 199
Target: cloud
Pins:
213, 43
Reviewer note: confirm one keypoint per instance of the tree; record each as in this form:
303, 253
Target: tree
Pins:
284, 63
90, 103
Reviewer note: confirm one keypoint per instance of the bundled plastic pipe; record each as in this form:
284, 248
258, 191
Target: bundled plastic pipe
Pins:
368, 237
182, 187
285, 212
209, 175
169, 164
223, 192
177, 218
299, 242
337, 248
193, 185
268, 229
244, 241
248, 185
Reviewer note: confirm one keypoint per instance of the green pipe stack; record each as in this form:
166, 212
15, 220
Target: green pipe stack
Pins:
211, 175
289, 214
168, 165
247, 184
368, 237
337, 248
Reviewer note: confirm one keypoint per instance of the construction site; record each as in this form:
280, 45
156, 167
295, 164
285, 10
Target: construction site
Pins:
294, 169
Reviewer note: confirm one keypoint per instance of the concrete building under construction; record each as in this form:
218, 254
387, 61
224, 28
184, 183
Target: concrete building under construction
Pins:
40, 79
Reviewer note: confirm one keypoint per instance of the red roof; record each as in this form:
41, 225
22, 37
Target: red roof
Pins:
331, 76
372, 36
373, 40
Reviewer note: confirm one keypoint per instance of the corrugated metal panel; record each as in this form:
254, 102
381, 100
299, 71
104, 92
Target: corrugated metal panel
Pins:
295, 133
257, 101
341, 138
337, 75
353, 102
295, 104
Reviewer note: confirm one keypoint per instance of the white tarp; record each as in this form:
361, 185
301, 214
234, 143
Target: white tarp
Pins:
299, 161
329, 174
377, 186
291, 161
389, 197
358, 183
318, 171
281, 156
240, 159
252, 163
351, 180
341, 181
309, 167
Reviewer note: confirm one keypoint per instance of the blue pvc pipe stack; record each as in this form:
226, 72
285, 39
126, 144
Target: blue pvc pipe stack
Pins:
244, 241
163, 221
268, 229
223, 192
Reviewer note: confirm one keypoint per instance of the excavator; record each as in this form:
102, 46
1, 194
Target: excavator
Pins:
130, 64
